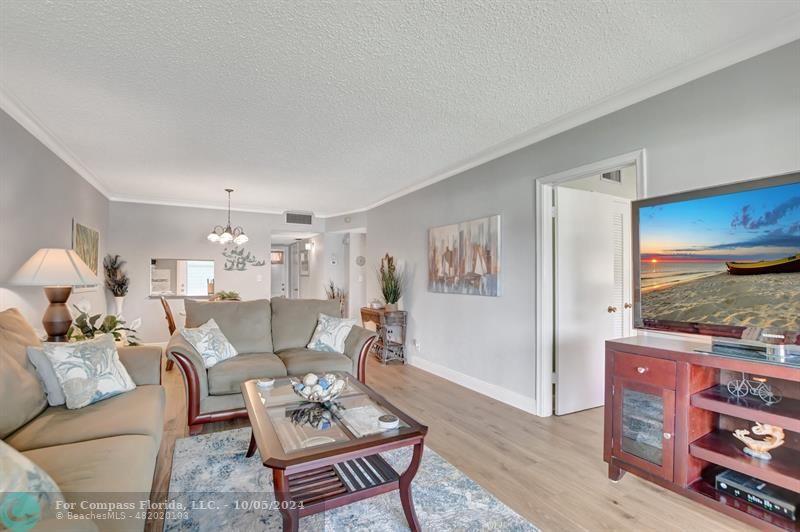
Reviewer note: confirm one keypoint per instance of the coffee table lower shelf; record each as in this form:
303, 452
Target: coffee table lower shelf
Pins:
339, 484
315, 490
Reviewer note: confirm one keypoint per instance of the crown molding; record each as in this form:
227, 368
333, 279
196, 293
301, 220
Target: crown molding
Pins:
750, 45
27, 119
191, 205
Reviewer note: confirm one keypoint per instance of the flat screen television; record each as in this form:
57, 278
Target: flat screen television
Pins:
722, 261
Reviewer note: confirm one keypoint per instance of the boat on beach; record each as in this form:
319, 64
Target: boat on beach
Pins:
785, 265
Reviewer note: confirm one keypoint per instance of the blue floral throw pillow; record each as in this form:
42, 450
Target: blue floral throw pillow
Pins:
88, 371
330, 334
209, 341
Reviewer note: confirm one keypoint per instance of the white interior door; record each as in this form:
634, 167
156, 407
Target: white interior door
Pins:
280, 275
294, 271
180, 277
592, 277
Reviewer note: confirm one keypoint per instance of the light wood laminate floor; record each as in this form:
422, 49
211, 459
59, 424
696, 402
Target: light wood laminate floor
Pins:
549, 470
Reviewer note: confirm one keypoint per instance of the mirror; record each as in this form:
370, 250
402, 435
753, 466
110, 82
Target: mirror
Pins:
181, 277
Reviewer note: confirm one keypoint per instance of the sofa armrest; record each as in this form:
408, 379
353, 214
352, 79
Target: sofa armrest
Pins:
143, 363
195, 376
357, 346
55, 524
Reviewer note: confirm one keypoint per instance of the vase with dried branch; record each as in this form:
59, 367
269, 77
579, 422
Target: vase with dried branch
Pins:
117, 280
334, 292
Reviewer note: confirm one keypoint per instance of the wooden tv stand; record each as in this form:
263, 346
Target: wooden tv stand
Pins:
674, 400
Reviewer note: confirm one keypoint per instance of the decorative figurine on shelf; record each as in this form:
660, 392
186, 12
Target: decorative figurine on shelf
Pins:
756, 386
773, 438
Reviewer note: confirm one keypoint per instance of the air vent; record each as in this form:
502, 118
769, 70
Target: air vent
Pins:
301, 218
614, 176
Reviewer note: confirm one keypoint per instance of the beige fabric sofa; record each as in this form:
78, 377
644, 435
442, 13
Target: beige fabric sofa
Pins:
270, 337
105, 451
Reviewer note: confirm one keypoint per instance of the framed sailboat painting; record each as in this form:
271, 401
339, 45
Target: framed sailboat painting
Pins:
464, 258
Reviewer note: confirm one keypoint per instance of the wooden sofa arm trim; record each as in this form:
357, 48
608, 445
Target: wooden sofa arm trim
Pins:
192, 385
362, 359
195, 418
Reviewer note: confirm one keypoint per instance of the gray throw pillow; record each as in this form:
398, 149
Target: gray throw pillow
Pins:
209, 341
330, 334
88, 371
52, 388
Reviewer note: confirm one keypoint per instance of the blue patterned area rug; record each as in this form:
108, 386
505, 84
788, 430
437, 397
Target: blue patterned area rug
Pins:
215, 487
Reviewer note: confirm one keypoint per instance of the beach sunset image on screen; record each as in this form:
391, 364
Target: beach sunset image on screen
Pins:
731, 259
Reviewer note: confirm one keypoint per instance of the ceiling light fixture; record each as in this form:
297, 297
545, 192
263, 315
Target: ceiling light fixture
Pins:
225, 235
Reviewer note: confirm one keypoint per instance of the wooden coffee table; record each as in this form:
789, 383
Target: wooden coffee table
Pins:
325, 457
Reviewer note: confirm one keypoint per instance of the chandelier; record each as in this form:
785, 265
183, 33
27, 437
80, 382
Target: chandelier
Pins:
224, 235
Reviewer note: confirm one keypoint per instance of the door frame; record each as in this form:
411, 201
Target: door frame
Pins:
544, 280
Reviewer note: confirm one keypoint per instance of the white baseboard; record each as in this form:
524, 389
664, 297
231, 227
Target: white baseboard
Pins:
517, 400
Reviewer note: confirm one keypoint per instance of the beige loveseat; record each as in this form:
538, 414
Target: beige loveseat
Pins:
105, 451
271, 339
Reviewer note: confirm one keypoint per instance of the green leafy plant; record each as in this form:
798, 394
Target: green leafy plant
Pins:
117, 281
390, 280
222, 295
85, 327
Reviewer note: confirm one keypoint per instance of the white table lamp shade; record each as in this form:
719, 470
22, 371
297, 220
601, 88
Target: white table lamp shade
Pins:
54, 267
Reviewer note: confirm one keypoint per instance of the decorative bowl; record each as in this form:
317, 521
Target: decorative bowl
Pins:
317, 389
265, 384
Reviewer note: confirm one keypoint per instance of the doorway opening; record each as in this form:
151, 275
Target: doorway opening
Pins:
290, 254
349, 276
583, 279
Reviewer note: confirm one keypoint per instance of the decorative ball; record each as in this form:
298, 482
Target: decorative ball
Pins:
316, 389
324, 383
299, 387
310, 379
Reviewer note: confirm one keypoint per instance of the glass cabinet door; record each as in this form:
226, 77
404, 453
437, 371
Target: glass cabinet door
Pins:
643, 425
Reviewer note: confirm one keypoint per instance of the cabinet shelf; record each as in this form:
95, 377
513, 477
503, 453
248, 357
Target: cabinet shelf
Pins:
764, 517
697, 413
723, 449
785, 414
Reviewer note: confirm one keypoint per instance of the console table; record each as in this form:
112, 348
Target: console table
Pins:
669, 418
391, 328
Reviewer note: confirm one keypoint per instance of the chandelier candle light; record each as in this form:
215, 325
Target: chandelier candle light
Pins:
225, 235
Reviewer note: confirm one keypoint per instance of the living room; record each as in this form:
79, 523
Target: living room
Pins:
434, 213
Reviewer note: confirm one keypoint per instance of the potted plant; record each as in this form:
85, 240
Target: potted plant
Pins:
85, 326
230, 295
391, 282
117, 280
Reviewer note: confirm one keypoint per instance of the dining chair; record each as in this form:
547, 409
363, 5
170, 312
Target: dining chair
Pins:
170, 325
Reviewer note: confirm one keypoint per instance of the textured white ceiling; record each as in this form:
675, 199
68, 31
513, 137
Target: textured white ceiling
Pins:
332, 106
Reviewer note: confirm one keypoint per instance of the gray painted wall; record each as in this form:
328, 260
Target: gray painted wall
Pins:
356, 275
140, 232
738, 123
321, 268
39, 197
